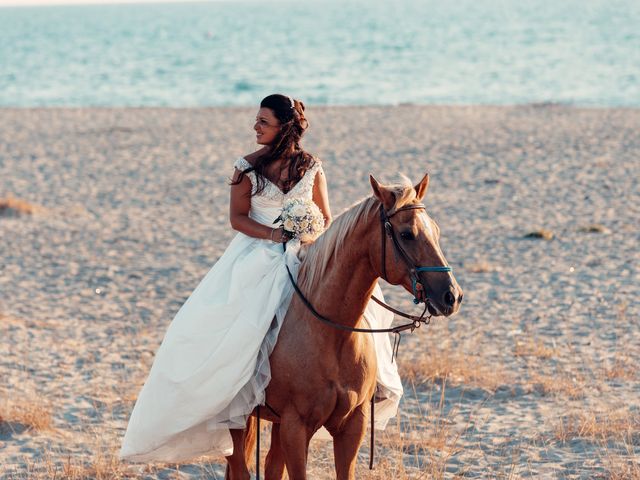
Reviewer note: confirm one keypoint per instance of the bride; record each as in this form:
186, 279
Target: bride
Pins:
212, 367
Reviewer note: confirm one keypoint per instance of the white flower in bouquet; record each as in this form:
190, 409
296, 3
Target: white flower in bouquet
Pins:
299, 210
301, 219
289, 226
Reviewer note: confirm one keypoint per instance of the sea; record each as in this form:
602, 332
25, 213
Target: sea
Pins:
325, 52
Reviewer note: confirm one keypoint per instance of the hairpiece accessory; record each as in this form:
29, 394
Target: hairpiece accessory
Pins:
293, 104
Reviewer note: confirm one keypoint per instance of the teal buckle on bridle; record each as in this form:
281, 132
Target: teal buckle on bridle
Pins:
413, 270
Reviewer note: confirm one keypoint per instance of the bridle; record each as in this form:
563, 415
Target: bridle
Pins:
387, 229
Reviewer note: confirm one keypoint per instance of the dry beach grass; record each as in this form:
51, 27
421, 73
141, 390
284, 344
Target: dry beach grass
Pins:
11, 206
122, 211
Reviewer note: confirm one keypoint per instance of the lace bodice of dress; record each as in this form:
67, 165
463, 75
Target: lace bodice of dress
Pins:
267, 205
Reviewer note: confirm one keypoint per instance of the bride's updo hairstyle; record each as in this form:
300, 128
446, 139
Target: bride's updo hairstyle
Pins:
286, 145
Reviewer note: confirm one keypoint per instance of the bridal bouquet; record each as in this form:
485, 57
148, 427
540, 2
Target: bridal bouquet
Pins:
301, 219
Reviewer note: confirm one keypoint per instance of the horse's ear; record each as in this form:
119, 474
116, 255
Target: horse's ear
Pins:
386, 197
421, 188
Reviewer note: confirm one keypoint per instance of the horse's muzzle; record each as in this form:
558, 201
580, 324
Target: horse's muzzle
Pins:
445, 303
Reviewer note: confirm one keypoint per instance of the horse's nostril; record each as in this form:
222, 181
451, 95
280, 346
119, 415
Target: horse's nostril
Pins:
449, 299
460, 297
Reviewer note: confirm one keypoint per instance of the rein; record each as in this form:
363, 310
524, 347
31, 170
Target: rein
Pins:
416, 322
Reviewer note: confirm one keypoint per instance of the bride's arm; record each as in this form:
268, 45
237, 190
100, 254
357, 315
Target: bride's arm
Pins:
321, 196
239, 206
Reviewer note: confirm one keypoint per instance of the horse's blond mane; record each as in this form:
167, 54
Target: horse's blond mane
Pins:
330, 243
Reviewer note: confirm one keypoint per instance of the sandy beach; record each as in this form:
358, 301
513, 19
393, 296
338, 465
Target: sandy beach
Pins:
109, 218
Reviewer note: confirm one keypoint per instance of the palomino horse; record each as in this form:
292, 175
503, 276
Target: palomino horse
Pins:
323, 376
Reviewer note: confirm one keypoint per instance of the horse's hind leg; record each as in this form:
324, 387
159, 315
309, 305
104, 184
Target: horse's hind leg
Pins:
243, 446
347, 442
274, 464
236, 464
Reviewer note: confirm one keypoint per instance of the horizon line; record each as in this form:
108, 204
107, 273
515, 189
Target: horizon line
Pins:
60, 3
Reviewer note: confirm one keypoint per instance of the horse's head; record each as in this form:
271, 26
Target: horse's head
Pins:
408, 253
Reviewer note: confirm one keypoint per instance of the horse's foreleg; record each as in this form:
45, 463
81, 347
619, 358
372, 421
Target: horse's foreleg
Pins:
294, 441
347, 442
274, 464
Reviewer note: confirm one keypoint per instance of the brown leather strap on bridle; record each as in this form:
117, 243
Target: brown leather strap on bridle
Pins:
398, 312
387, 229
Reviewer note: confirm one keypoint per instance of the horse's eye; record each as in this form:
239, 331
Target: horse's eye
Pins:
407, 236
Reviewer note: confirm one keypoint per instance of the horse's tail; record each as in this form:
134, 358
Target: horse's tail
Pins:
250, 437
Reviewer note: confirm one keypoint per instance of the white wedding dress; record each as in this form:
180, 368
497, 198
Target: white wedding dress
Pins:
212, 367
